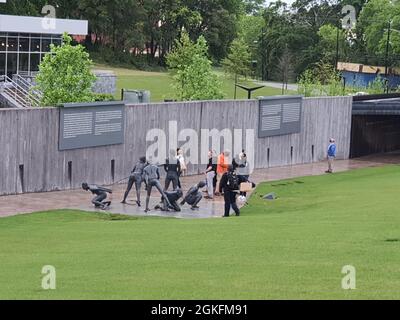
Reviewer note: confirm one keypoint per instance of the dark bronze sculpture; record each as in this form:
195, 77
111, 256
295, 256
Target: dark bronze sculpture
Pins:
101, 195
173, 168
173, 198
151, 176
194, 196
136, 178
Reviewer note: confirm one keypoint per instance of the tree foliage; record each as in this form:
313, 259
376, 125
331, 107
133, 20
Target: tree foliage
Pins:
192, 72
143, 32
65, 75
374, 20
238, 61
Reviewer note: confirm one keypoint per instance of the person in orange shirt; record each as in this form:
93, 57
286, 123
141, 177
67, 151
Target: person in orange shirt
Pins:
222, 167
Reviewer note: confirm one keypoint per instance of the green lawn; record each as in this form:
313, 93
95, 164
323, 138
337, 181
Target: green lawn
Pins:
160, 84
292, 248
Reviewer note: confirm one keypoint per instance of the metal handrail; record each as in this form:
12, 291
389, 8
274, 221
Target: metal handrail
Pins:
29, 87
23, 81
16, 98
14, 93
33, 101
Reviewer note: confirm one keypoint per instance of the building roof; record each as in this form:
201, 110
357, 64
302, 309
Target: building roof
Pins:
43, 25
361, 68
377, 107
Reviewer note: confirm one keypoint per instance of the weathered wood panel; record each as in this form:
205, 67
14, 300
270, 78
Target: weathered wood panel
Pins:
30, 160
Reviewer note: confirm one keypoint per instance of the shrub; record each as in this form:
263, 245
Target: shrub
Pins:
65, 75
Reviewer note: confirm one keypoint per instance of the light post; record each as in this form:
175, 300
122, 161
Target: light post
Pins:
389, 32
387, 49
337, 49
263, 56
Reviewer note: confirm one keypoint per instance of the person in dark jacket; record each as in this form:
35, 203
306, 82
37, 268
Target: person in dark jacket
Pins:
173, 198
194, 196
136, 178
151, 176
230, 189
101, 195
172, 167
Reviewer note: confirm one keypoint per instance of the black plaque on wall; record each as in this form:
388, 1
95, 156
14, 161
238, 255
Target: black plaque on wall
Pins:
279, 115
85, 125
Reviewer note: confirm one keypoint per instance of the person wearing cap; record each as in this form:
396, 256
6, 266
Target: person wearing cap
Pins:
331, 155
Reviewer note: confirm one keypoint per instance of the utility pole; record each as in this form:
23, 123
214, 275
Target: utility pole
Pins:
387, 50
236, 82
337, 49
263, 56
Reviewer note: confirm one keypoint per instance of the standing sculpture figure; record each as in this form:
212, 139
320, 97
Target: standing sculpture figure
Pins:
136, 178
173, 168
151, 176
101, 195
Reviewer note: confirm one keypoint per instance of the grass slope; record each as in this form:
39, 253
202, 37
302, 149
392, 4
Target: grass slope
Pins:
160, 84
292, 248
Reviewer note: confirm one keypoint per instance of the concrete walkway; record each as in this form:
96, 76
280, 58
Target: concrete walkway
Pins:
277, 85
78, 199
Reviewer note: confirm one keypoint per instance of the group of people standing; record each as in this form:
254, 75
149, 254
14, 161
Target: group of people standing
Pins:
222, 177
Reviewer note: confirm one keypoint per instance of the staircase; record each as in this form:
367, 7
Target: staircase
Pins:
18, 92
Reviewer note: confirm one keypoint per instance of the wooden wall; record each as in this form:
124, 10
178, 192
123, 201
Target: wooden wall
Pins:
30, 160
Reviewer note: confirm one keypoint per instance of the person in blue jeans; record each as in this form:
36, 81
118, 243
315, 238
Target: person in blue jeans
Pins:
331, 155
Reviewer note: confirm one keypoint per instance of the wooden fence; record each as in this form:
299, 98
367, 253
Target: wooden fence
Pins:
31, 162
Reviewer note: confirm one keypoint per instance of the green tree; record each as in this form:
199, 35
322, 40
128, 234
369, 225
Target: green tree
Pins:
65, 75
192, 73
239, 59
321, 80
374, 22
328, 42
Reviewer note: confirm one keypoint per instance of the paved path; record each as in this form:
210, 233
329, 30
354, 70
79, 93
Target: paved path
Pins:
278, 85
77, 199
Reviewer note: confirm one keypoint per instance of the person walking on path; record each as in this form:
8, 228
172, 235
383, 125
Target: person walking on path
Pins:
230, 185
332, 149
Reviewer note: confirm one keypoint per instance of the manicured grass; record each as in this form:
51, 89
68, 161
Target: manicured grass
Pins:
291, 248
160, 84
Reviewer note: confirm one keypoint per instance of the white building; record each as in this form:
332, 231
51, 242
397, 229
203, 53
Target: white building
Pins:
25, 40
